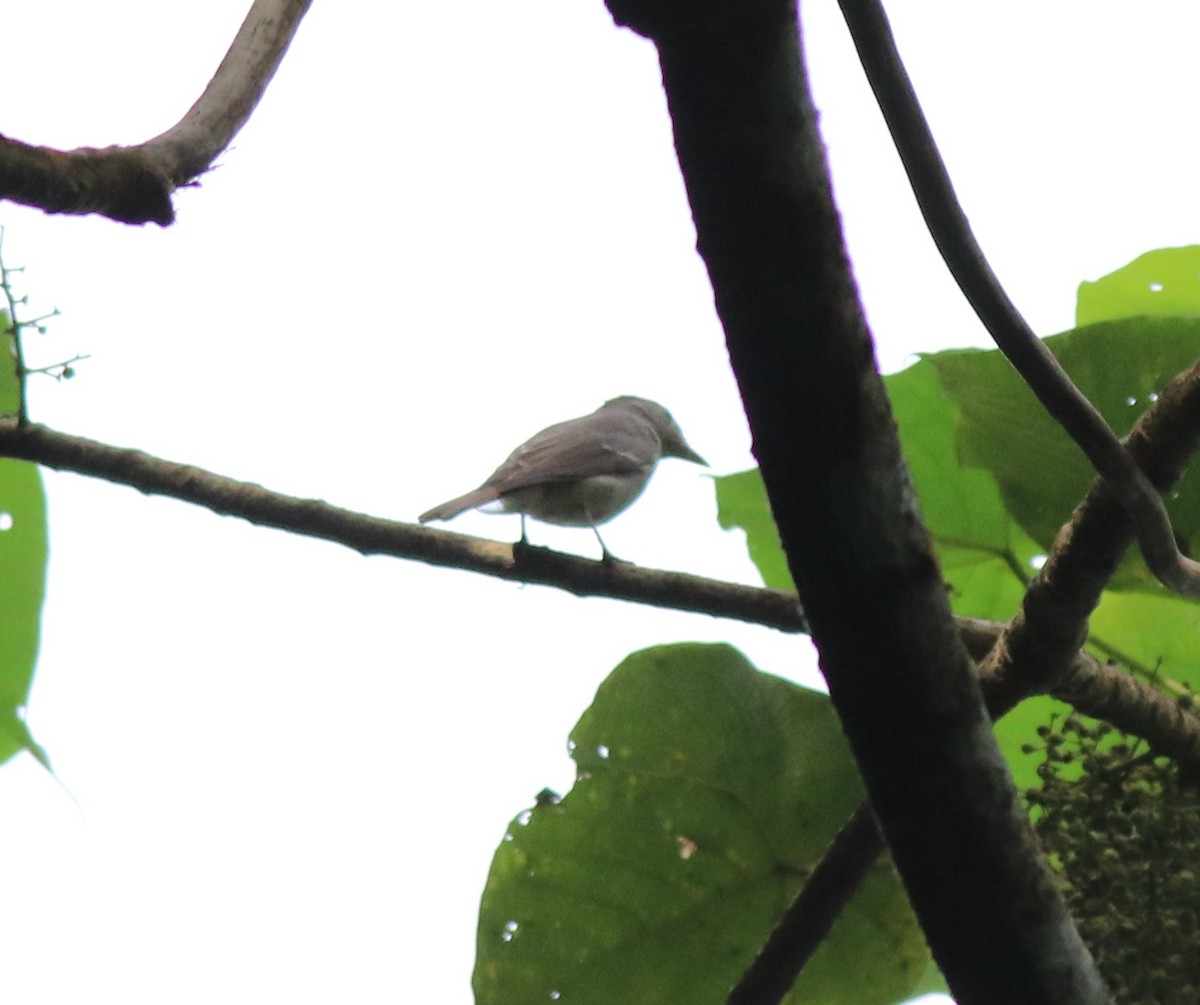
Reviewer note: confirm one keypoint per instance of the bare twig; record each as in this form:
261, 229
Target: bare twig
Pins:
134, 184
12, 330
952, 234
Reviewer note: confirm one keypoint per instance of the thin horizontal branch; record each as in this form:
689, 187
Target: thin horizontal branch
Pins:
374, 536
951, 232
134, 184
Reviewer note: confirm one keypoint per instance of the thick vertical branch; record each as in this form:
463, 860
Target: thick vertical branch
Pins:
745, 133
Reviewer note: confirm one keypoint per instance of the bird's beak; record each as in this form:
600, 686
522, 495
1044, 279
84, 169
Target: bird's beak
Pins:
688, 454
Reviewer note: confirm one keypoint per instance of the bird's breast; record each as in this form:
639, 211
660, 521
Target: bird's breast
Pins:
582, 502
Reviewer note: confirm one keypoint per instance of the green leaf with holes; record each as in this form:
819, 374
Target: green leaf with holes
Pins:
706, 793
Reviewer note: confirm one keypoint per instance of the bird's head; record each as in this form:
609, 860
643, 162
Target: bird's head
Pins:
669, 433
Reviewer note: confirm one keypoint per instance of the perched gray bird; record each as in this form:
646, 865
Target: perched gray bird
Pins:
581, 472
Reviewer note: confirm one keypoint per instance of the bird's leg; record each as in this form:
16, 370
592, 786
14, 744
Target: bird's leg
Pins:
523, 551
606, 556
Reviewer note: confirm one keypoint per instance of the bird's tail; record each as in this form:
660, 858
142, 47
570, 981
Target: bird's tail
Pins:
460, 504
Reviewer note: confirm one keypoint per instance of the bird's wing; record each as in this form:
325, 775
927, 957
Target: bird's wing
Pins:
612, 442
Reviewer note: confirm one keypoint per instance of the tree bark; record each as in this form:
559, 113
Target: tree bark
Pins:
754, 166
134, 184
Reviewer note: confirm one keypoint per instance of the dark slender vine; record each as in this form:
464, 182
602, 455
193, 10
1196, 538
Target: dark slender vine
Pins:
951, 232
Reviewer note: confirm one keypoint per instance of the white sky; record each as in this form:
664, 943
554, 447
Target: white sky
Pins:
447, 226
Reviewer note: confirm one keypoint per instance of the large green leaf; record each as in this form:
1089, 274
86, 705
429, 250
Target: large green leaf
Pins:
742, 503
1163, 283
1121, 366
23, 555
1158, 634
24, 551
984, 554
706, 793
991, 470
996, 477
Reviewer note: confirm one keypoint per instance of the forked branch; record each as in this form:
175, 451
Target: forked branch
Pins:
134, 184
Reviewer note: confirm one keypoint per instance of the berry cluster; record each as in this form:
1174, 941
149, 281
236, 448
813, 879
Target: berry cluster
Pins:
1123, 833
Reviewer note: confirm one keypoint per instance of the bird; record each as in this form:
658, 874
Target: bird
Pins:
581, 472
